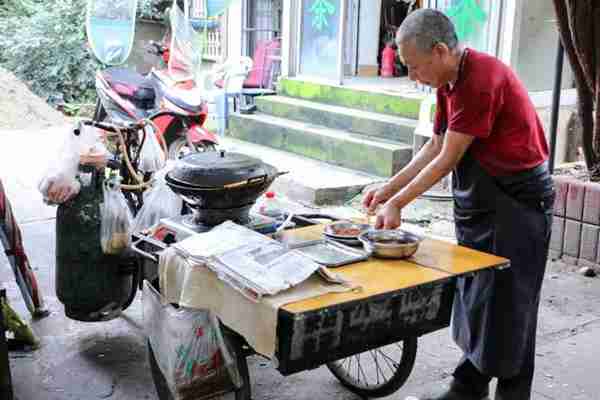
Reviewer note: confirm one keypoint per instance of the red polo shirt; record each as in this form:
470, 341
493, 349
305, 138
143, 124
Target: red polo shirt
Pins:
490, 103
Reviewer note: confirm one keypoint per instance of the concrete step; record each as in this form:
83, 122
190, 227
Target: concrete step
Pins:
374, 156
358, 121
402, 101
308, 181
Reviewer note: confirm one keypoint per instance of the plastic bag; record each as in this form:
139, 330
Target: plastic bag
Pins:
152, 156
115, 226
82, 144
189, 349
159, 202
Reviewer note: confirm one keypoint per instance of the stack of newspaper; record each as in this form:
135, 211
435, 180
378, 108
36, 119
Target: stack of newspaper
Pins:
250, 262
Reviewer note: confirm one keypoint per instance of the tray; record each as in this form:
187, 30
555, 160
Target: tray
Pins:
329, 253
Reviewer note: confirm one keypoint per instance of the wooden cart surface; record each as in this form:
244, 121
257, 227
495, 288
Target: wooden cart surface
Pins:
399, 299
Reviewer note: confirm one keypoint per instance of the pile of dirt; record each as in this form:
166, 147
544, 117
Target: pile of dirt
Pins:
21, 109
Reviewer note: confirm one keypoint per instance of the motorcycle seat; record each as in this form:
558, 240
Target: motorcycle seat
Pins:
132, 85
189, 100
188, 97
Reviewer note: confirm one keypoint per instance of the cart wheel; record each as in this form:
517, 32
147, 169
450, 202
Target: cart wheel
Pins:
378, 372
180, 148
162, 389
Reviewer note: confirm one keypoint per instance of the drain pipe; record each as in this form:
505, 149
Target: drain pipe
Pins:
556, 103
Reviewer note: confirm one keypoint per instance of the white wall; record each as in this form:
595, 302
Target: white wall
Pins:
288, 37
234, 29
537, 44
368, 34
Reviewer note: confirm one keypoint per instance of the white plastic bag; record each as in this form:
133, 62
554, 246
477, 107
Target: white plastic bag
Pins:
189, 349
115, 226
152, 156
159, 202
82, 144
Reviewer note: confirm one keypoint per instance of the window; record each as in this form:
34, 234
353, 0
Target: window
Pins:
477, 22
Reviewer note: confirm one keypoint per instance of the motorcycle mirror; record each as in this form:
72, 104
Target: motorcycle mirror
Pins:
110, 28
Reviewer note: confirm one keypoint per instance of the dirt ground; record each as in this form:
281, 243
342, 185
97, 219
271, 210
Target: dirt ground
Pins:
21, 109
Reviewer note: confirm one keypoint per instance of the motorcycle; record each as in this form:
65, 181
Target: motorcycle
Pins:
125, 96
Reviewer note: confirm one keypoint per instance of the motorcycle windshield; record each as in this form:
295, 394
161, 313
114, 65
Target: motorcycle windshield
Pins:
187, 46
110, 27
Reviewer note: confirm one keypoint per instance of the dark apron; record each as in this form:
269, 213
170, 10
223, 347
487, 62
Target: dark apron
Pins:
495, 312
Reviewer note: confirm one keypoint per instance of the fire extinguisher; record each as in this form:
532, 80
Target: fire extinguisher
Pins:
388, 61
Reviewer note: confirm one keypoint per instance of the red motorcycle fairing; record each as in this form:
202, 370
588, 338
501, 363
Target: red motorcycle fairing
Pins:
198, 134
195, 131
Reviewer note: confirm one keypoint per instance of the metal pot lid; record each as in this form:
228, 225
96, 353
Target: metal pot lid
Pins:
217, 169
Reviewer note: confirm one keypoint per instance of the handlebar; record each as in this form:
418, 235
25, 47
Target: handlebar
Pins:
126, 127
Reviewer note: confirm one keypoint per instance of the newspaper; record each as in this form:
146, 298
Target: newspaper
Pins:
249, 261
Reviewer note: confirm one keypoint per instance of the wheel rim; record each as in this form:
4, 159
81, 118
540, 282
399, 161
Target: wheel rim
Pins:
372, 369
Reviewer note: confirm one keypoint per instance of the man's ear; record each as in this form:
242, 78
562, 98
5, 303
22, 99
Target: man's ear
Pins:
441, 49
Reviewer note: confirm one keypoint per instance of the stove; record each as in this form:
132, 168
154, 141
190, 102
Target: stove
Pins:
186, 225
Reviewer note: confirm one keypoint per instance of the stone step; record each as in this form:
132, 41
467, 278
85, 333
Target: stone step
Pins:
403, 101
309, 182
374, 156
358, 121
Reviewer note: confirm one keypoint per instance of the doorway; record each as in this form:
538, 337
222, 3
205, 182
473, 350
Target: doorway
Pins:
393, 13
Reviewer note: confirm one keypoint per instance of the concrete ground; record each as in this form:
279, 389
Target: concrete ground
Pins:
107, 360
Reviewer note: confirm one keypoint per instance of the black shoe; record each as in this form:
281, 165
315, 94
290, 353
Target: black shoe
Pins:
460, 391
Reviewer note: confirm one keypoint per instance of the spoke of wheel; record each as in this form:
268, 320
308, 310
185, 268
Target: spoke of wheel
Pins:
349, 370
363, 372
391, 363
377, 368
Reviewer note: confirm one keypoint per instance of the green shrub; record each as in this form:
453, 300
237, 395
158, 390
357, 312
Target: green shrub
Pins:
44, 43
46, 47
153, 9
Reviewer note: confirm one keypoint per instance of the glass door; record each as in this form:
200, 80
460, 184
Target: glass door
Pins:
319, 39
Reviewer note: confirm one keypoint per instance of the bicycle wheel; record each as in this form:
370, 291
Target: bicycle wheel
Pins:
378, 372
162, 389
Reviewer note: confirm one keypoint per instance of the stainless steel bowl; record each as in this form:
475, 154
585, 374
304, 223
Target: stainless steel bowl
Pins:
390, 243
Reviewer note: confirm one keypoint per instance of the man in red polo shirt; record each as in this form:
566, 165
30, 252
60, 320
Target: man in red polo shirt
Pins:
488, 134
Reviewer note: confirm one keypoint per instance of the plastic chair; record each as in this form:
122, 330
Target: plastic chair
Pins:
228, 81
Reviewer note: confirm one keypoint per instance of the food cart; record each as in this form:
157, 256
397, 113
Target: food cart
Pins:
368, 337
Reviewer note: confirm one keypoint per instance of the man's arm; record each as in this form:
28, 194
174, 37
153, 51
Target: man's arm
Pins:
453, 148
428, 152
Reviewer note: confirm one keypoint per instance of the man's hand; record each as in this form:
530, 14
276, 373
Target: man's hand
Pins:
389, 217
377, 196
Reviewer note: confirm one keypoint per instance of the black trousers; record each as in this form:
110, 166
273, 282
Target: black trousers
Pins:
516, 387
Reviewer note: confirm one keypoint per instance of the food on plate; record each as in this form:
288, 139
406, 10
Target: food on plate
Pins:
349, 231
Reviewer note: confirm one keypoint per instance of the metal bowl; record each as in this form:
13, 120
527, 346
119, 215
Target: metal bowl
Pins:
390, 243
335, 229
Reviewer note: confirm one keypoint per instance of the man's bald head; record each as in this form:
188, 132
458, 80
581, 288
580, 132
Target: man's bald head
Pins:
427, 27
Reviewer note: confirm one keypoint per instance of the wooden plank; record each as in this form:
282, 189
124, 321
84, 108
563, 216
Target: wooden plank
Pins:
435, 260
457, 260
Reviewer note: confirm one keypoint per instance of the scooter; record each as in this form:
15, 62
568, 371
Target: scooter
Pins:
125, 96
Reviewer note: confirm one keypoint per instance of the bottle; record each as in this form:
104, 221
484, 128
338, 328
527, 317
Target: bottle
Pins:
271, 207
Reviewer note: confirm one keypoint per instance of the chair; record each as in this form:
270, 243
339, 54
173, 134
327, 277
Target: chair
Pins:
260, 76
228, 81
